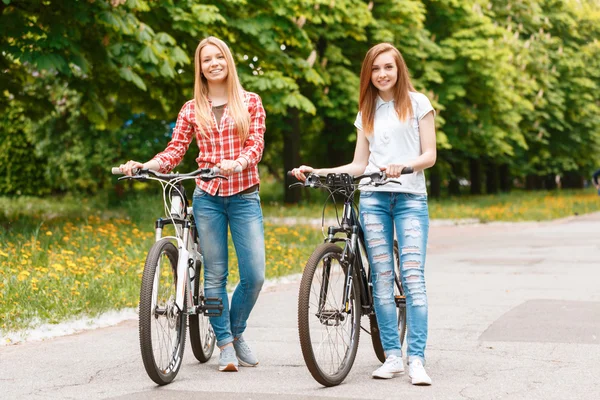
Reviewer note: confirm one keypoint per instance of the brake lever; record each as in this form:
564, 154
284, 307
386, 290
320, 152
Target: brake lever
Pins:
207, 178
296, 184
141, 178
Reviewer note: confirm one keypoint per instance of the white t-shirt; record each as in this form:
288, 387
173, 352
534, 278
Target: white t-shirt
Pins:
396, 142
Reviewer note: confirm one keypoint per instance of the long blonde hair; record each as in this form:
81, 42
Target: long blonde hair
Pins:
235, 101
368, 92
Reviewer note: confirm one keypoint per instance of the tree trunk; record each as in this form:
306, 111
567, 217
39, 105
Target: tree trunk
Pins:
491, 177
572, 180
505, 181
453, 185
435, 184
475, 174
533, 182
550, 182
291, 154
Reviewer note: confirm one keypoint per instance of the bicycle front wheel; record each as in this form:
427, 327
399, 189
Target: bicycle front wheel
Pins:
162, 325
400, 300
202, 336
329, 329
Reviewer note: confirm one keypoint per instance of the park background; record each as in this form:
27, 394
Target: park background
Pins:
88, 84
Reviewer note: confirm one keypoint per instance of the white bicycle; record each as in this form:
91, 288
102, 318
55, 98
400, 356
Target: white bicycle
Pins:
172, 283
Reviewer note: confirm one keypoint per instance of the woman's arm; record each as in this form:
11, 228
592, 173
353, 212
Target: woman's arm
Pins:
182, 136
255, 143
356, 167
428, 144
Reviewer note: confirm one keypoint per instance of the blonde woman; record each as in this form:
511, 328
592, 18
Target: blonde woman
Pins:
228, 124
395, 130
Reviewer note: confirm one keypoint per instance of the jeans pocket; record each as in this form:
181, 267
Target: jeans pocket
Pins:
250, 196
366, 194
199, 192
413, 196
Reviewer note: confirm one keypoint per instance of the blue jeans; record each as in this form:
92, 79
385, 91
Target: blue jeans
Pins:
243, 215
379, 212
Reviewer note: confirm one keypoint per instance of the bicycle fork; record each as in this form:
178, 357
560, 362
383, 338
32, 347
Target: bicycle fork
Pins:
184, 264
348, 258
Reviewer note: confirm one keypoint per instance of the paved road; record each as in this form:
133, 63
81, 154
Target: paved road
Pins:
514, 314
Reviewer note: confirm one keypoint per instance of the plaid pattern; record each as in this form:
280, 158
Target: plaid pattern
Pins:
223, 144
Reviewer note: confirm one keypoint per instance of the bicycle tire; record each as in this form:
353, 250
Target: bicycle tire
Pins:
400, 304
162, 370
202, 336
331, 314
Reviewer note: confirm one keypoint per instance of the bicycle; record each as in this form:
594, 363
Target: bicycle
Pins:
171, 287
336, 289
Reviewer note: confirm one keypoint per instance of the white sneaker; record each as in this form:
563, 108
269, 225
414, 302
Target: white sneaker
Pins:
417, 373
392, 366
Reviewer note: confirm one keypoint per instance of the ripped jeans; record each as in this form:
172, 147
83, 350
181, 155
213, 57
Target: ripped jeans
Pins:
379, 212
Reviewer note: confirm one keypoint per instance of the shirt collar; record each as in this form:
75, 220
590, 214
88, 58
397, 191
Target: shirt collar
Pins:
381, 102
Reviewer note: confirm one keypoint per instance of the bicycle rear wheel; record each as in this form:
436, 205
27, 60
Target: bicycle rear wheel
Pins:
202, 336
162, 326
329, 333
400, 300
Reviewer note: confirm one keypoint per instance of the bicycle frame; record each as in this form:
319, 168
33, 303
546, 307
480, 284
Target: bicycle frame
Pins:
354, 253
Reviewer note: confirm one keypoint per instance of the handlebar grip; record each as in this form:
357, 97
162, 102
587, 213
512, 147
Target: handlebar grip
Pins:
407, 170
289, 173
117, 171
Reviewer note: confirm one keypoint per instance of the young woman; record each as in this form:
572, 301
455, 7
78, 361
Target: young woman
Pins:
228, 125
395, 130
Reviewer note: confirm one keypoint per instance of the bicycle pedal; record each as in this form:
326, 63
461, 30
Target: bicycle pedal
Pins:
217, 305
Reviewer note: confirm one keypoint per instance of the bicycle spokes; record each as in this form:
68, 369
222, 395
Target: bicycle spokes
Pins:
328, 329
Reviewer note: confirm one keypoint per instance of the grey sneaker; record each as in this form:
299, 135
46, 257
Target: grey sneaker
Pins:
244, 354
227, 360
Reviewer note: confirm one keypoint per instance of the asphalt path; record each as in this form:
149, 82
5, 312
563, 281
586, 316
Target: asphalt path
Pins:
514, 313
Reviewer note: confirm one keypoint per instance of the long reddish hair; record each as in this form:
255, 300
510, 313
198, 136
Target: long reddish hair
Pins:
368, 92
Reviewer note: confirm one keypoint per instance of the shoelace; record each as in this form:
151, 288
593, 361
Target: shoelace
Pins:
417, 366
225, 352
244, 347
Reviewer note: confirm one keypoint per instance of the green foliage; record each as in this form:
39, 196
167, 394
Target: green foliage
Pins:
515, 82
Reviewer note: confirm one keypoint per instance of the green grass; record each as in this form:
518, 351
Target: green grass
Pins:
518, 206
69, 256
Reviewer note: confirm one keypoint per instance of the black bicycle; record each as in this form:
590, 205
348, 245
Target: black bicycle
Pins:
336, 288
172, 286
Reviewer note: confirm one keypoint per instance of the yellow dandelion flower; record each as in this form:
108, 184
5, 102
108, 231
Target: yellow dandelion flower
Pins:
48, 233
58, 267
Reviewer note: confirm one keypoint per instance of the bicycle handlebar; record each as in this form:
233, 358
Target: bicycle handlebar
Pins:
376, 177
206, 173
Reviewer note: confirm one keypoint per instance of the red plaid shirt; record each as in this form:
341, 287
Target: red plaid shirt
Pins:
220, 145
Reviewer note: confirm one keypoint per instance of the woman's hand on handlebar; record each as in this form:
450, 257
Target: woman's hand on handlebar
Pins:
301, 172
129, 167
393, 170
229, 167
